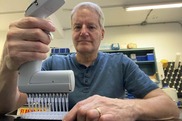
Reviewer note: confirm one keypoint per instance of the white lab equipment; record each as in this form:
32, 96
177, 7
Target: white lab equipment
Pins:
46, 90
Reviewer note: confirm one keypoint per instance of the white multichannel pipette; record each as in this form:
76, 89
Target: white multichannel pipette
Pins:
47, 90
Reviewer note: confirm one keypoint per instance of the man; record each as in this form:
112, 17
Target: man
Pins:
101, 78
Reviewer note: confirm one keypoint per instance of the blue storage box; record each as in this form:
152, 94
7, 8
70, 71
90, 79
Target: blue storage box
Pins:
55, 50
150, 56
64, 50
60, 50
141, 58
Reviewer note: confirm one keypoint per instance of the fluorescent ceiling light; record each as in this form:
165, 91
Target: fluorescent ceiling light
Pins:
159, 6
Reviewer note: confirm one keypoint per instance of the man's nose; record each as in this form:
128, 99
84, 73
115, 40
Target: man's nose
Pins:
84, 31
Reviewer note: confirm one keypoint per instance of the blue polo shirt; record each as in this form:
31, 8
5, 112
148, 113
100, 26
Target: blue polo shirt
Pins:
110, 75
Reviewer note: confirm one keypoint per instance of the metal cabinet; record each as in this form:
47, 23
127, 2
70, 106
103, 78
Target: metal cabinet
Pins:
144, 57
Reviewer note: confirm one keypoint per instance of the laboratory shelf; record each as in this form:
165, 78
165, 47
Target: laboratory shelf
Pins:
146, 64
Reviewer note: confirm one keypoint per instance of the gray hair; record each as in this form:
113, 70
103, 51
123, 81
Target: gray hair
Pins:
93, 6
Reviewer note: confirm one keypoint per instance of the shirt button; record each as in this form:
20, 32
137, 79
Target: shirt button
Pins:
85, 90
87, 75
86, 81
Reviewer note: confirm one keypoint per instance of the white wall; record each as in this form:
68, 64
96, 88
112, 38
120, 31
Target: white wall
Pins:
165, 38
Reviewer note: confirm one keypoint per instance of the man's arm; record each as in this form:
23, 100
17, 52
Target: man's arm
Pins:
10, 97
156, 105
26, 41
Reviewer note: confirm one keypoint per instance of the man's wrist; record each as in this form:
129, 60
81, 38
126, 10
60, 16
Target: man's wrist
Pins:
132, 106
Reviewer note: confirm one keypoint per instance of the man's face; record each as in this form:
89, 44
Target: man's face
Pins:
86, 31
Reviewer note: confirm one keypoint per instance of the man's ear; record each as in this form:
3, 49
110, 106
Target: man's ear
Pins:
103, 33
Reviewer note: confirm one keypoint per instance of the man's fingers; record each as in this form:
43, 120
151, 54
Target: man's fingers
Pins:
33, 22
